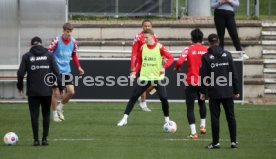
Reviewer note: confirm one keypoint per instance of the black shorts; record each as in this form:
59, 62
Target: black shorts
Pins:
66, 77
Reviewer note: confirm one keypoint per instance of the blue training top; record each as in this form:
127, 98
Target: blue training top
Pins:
63, 54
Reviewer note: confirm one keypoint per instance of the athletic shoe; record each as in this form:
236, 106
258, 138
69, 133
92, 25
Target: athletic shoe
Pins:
202, 130
213, 146
144, 107
44, 142
36, 143
193, 136
60, 114
56, 118
122, 122
234, 145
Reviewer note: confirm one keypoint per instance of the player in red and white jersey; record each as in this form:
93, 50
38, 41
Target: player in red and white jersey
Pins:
193, 54
137, 44
64, 47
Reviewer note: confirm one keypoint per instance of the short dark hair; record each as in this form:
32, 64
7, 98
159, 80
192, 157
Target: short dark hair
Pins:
146, 20
68, 26
213, 38
197, 35
148, 31
36, 40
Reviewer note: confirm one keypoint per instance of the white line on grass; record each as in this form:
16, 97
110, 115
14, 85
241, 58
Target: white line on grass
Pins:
114, 108
265, 109
205, 140
159, 108
88, 139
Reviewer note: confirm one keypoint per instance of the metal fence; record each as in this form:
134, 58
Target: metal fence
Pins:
170, 8
248, 8
120, 7
268, 9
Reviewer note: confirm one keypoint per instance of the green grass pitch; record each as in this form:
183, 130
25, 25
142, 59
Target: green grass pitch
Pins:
90, 132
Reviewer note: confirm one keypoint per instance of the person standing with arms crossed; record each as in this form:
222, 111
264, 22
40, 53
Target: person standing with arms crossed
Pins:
40, 67
136, 46
221, 85
193, 54
64, 48
150, 61
224, 17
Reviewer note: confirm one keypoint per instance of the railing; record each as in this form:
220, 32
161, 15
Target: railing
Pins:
118, 8
238, 55
248, 8
179, 8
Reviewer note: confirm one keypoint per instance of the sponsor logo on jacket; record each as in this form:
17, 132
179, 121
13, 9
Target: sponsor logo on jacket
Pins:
38, 58
213, 65
37, 67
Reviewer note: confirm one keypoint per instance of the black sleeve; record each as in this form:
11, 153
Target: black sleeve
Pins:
234, 74
21, 72
56, 71
203, 73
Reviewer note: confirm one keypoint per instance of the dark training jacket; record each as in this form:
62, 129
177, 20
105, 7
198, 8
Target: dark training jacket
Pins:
41, 70
218, 63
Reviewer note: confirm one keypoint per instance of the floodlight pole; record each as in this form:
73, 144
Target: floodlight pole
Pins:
248, 8
269, 9
257, 8
176, 9
66, 10
116, 9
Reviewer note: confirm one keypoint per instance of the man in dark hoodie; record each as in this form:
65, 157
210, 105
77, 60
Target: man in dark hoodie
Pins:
218, 76
42, 73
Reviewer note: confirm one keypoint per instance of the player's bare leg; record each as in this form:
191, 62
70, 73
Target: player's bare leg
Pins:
70, 91
55, 96
143, 97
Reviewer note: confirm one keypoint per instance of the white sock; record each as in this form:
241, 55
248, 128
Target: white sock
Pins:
125, 116
202, 123
55, 113
193, 129
167, 119
60, 106
143, 104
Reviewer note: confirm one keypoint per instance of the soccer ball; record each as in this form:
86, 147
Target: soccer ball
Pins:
11, 138
170, 127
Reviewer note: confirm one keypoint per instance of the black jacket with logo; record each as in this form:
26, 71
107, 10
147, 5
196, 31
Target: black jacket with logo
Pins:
41, 70
218, 64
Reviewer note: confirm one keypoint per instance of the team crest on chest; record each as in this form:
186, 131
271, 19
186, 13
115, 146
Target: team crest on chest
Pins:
212, 57
32, 58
